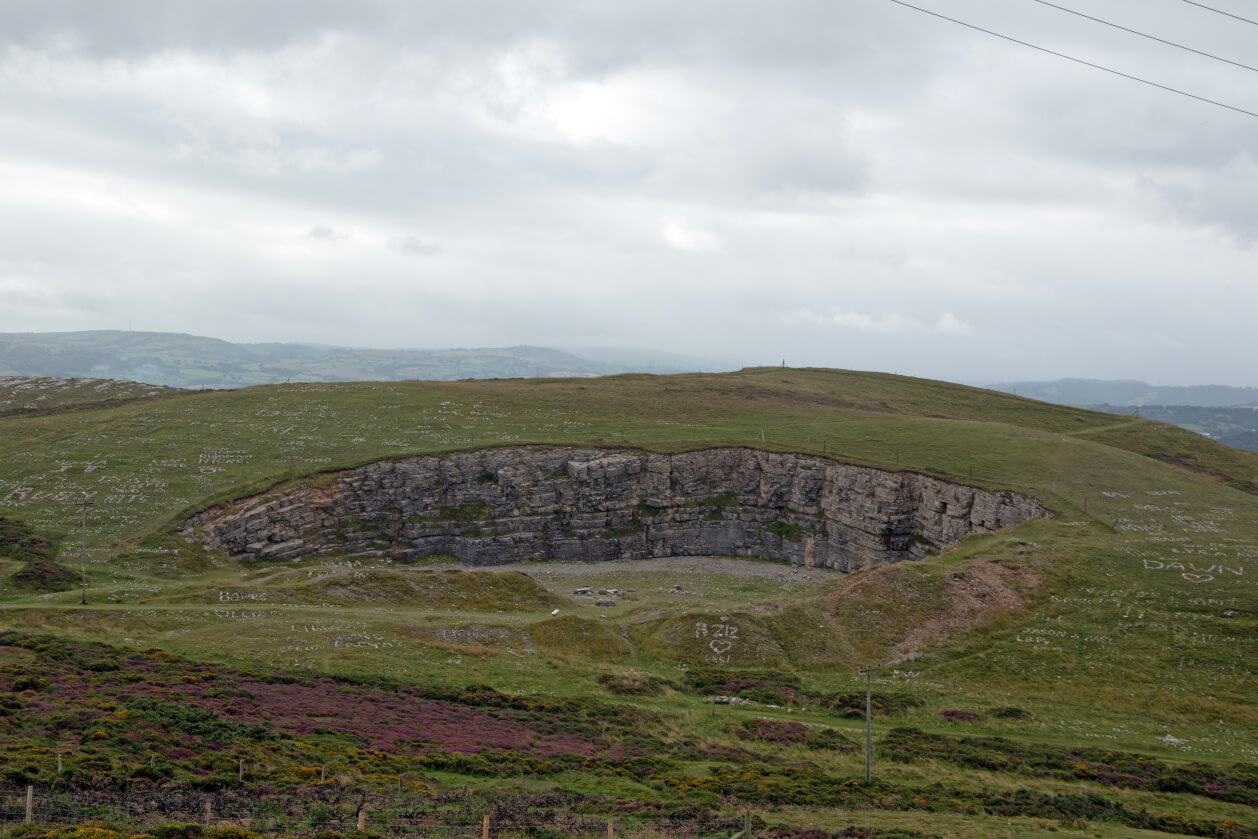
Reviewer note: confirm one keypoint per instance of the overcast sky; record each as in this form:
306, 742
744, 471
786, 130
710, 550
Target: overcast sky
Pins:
844, 183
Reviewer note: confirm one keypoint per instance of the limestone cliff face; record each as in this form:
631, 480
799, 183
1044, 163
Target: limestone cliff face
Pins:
511, 505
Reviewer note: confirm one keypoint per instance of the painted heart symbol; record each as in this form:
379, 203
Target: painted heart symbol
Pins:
721, 647
1198, 578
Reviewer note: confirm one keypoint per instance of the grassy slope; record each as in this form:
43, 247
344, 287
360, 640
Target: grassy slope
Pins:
41, 394
1104, 641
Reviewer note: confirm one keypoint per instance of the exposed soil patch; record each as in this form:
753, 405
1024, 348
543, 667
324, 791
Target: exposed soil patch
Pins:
931, 608
1189, 463
971, 598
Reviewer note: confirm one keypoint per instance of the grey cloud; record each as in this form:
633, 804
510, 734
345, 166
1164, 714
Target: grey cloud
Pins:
599, 36
130, 27
1222, 198
411, 243
682, 176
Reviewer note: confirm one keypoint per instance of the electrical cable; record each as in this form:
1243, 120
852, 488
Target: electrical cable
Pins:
1221, 12
1076, 60
1143, 35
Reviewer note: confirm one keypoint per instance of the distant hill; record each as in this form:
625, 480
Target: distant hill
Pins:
1226, 414
1130, 393
180, 360
1236, 427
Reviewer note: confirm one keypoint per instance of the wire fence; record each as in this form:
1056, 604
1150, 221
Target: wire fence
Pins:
322, 811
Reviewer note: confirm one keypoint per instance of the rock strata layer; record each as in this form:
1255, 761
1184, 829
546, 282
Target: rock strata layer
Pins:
512, 505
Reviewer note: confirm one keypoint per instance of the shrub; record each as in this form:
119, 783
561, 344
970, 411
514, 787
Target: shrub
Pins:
630, 528
198, 721
758, 686
788, 733
789, 532
851, 704
465, 512
18, 541
176, 831
1011, 713
1237, 784
229, 833
633, 684
22, 683
41, 575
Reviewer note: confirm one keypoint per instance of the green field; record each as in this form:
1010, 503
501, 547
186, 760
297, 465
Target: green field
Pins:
1125, 626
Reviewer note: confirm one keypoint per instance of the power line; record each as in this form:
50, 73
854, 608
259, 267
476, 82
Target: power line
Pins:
1221, 12
1076, 60
1143, 35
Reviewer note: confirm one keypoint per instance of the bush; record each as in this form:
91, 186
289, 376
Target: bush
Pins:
1011, 713
631, 528
42, 575
176, 831
18, 541
788, 733
198, 721
229, 833
19, 775
1237, 784
789, 532
22, 683
632, 684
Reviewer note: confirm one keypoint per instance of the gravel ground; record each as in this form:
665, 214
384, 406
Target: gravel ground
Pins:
676, 565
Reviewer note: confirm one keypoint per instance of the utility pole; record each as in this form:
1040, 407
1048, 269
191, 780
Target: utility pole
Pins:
83, 551
868, 672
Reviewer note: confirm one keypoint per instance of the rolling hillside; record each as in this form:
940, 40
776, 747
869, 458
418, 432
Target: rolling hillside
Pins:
1117, 634
192, 361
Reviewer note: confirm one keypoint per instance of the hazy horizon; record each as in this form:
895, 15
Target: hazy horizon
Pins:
644, 360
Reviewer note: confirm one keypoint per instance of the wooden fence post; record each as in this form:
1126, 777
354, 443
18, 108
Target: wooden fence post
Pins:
611, 830
484, 832
362, 819
207, 814
30, 803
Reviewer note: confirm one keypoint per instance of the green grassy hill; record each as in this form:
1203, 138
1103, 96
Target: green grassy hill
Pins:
180, 360
1120, 634
42, 394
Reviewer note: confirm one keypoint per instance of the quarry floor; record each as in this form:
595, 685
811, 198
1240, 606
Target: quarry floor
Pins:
717, 565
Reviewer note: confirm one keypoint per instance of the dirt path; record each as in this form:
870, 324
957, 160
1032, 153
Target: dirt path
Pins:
1101, 428
633, 651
